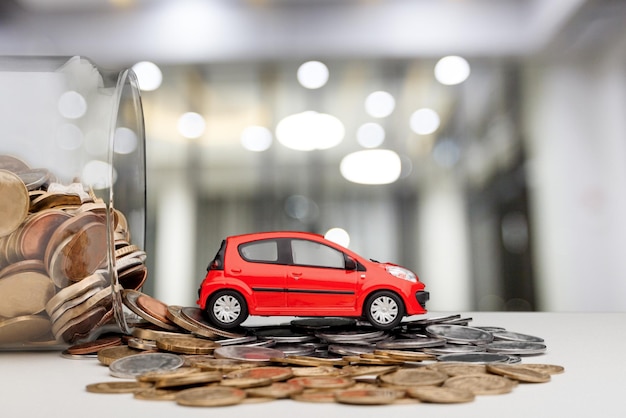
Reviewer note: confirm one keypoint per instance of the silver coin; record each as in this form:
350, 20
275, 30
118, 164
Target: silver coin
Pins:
514, 360
491, 329
476, 358
516, 347
34, 178
353, 336
247, 340
416, 342
282, 335
295, 349
430, 321
515, 336
459, 321
132, 366
350, 350
455, 349
323, 323
459, 334
247, 353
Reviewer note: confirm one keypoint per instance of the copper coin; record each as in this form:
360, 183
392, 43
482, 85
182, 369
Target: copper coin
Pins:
66, 230
14, 202
85, 252
54, 200
94, 346
153, 307
80, 327
36, 232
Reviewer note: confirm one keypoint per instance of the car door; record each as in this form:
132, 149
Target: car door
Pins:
261, 270
318, 281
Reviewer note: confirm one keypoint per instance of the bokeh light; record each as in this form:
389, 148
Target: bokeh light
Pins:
424, 121
452, 70
377, 166
313, 74
256, 138
380, 104
72, 105
191, 125
339, 236
149, 75
370, 135
310, 130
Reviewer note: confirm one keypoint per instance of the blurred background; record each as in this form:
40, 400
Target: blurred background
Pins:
480, 143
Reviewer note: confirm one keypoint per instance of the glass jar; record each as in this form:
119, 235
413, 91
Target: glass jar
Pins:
72, 200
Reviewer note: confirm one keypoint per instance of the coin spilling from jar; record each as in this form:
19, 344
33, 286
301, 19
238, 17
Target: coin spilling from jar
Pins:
431, 360
55, 286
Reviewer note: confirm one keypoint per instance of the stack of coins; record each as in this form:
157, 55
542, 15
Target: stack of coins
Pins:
193, 364
54, 283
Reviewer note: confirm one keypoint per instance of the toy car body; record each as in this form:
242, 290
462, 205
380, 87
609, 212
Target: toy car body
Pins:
303, 274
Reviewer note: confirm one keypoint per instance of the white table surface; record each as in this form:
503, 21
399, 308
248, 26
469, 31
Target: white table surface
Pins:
589, 345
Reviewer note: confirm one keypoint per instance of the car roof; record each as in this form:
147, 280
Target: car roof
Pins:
274, 234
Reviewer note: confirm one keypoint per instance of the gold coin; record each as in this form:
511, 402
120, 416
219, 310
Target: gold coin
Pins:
24, 293
481, 384
54, 200
436, 394
419, 376
153, 394
174, 314
14, 202
153, 334
108, 355
276, 374
23, 329
315, 396
519, 373
277, 390
247, 382
157, 375
378, 396
219, 364
323, 382
368, 370
117, 387
23, 266
186, 345
405, 355
198, 378
144, 345
458, 369
318, 371
545, 368
54, 315
210, 396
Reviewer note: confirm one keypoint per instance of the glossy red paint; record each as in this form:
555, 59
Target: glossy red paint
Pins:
303, 274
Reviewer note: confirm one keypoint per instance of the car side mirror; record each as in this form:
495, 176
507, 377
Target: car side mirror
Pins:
350, 263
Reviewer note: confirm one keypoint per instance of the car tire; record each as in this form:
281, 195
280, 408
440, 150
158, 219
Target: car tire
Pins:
384, 310
226, 309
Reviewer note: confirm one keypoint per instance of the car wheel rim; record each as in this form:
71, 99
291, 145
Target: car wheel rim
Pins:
227, 309
384, 310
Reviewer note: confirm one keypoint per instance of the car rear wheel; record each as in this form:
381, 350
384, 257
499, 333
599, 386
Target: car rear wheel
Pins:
226, 309
384, 310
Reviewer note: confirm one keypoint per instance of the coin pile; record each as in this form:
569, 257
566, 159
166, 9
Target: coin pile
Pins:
314, 360
54, 284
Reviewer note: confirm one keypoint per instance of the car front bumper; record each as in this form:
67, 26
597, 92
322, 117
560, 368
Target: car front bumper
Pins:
422, 297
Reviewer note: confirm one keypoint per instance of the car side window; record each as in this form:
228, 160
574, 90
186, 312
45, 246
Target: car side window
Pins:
309, 253
260, 251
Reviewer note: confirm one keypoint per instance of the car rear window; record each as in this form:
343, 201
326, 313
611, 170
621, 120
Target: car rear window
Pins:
260, 251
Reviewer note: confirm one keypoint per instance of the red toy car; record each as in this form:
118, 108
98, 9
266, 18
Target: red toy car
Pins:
304, 274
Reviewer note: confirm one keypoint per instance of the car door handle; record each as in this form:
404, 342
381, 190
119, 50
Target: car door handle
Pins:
296, 275
235, 270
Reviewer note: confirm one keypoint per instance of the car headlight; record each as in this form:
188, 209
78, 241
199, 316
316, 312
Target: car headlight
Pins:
402, 273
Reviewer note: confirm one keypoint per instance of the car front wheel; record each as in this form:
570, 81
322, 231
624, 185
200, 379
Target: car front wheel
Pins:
226, 309
384, 310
